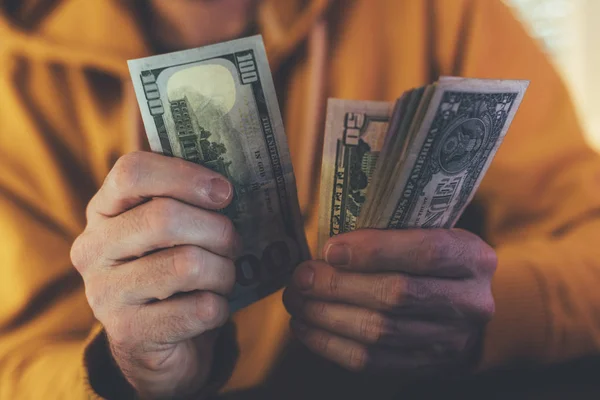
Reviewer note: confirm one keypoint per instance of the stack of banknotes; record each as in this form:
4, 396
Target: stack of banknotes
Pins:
414, 163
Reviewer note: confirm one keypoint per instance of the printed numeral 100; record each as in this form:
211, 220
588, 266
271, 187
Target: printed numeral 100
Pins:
276, 259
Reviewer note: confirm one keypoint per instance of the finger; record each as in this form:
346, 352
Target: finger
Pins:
178, 318
317, 279
390, 292
358, 357
429, 252
160, 275
370, 327
157, 224
139, 176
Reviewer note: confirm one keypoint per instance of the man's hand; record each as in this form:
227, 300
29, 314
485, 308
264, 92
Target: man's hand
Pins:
157, 265
410, 301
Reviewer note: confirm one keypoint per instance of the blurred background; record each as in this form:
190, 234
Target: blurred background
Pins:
569, 31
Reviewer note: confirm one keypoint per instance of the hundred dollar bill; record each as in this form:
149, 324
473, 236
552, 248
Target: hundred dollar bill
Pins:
448, 153
216, 106
354, 135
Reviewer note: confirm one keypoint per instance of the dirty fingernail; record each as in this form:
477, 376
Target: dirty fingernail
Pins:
337, 254
304, 278
220, 190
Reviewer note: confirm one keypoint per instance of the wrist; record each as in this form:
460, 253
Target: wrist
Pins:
224, 359
107, 381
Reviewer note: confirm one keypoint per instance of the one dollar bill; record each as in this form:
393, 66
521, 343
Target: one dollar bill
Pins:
422, 168
448, 151
216, 106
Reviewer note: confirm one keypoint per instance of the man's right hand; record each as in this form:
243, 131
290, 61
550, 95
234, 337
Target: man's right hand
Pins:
157, 262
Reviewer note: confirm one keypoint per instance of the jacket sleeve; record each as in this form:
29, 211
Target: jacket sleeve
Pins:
541, 198
47, 330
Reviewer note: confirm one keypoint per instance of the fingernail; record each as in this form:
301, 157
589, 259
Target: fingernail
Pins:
220, 190
337, 254
298, 327
304, 277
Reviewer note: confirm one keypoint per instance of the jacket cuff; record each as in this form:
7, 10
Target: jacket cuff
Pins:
103, 378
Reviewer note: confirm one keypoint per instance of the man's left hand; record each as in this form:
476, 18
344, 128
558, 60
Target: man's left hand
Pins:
413, 301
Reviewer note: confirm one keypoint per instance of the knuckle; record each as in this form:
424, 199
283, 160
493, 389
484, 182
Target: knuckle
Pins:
90, 209
84, 252
317, 310
335, 283
371, 327
459, 245
227, 235
78, 254
162, 217
98, 295
488, 259
357, 358
418, 291
212, 309
320, 342
207, 308
390, 290
488, 308
472, 252
430, 247
126, 172
448, 246
478, 304
441, 248
186, 262
445, 245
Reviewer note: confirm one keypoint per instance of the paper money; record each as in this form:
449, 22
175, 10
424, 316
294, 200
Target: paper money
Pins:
354, 135
216, 106
448, 152
440, 142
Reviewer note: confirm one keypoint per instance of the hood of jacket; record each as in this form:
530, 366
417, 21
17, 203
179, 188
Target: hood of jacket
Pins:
54, 30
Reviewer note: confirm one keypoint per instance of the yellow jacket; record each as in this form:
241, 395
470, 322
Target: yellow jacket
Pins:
67, 113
